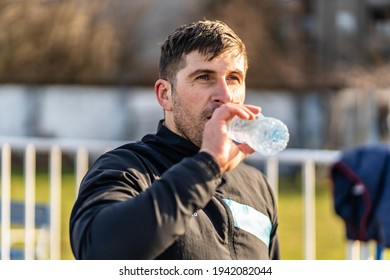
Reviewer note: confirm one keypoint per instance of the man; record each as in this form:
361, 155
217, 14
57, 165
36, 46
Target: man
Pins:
183, 193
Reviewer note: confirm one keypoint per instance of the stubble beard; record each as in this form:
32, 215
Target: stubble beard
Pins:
188, 126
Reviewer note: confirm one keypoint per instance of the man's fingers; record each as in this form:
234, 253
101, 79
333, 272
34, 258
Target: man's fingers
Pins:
229, 110
245, 149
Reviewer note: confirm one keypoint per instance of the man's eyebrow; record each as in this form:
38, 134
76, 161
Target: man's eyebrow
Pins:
239, 72
209, 71
201, 71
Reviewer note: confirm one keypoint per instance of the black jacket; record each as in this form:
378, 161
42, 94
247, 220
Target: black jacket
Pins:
161, 199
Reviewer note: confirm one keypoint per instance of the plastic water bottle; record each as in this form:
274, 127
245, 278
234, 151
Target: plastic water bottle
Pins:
265, 135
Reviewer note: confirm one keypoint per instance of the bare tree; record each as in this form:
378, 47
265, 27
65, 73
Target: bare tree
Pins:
65, 41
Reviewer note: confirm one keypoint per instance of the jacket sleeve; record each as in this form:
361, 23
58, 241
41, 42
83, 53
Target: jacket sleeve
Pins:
274, 249
123, 213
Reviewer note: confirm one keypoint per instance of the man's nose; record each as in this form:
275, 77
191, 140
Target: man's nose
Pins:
223, 93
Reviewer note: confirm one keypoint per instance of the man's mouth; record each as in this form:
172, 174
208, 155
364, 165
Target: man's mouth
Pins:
210, 113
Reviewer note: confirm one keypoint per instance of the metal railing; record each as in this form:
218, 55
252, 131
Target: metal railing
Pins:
308, 160
56, 148
83, 149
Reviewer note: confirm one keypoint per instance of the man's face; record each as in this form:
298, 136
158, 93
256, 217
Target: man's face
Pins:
201, 87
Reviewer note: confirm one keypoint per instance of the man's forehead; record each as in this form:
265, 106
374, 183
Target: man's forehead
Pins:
235, 59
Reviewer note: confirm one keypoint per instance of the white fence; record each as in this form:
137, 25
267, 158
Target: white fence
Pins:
48, 244
82, 150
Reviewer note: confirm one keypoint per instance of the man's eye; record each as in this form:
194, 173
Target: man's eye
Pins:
203, 77
234, 78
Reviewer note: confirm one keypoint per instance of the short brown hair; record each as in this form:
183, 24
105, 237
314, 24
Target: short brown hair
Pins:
210, 38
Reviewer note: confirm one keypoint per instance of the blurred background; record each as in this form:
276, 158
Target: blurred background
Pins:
85, 69
320, 65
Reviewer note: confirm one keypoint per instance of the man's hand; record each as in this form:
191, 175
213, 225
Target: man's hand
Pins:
215, 139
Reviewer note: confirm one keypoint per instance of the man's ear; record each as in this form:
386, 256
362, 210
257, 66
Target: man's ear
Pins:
163, 91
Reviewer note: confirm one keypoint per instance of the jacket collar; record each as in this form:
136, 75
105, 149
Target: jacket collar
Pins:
170, 144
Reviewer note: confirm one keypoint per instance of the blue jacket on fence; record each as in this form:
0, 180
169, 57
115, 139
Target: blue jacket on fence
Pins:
361, 192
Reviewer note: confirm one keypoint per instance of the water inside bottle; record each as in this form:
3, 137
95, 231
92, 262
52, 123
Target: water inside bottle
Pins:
266, 135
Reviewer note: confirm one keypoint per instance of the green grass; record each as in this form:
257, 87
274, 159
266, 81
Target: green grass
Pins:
330, 240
